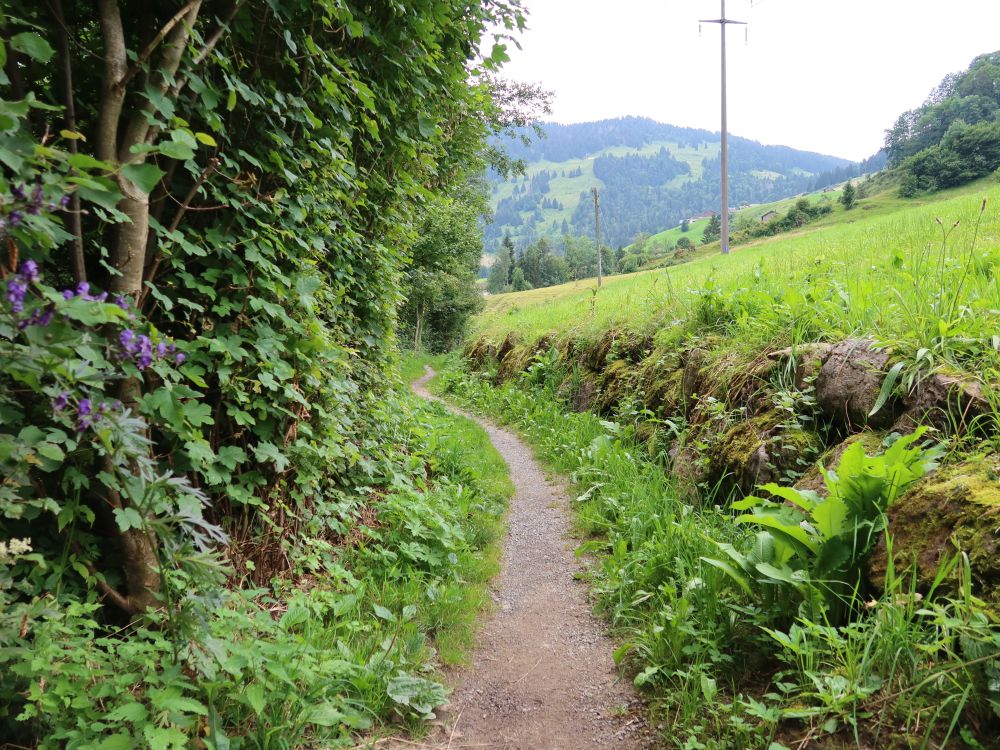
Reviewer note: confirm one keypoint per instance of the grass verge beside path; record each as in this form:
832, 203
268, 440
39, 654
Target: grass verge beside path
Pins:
727, 669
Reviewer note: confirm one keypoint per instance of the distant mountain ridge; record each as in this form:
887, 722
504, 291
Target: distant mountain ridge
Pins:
651, 176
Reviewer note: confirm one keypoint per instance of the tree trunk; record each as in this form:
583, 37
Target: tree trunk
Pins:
131, 240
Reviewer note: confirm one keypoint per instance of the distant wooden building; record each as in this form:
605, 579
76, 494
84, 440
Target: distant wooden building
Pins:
769, 216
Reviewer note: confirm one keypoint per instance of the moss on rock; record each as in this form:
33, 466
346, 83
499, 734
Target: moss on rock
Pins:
617, 382
659, 381
956, 509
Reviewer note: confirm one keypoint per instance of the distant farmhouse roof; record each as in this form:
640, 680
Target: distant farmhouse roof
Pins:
702, 215
768, 216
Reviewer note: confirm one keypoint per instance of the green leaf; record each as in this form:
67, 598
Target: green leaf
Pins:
383, 613
170, 699
231, 100
255, 697
730, 571
887, 385
270, 452
50, 451
783, 574
499, 56
206, 139
792, 495
175, 150
132, 711
791, 530
426, 126
416, 692
145, 176
326, 715
165, 738
32, 45
184, 136
86, 161
127, 518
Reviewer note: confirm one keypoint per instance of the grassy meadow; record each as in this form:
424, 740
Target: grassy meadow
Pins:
922, 276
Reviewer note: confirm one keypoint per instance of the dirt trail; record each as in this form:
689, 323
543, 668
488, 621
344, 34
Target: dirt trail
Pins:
542, 677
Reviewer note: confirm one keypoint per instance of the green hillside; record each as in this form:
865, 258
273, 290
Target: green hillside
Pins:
651, 177
857, 272
568, 187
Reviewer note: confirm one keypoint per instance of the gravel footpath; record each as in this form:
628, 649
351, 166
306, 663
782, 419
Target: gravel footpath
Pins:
542, 677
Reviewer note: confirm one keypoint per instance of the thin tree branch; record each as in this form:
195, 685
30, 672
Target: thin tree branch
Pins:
209, 45
217, 34
170, 60
136, 66
69, 118
185, 205
116, 597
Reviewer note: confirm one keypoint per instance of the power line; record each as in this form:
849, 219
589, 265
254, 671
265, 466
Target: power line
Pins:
723, 22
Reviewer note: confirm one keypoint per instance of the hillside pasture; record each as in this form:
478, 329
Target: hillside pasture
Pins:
925, 279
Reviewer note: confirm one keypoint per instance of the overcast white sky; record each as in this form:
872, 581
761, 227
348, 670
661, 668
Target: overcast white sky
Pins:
816, 75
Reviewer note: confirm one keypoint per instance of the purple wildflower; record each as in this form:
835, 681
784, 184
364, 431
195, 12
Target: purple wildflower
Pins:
161, 349
17, 288
60, 401
121, 301
16, 217
180, 357
18, 192
68, 294
43, 318
145, 358
84, 415
38, 317
29, 271
82, 289
64, 201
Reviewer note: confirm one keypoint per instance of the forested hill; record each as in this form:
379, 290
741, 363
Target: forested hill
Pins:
651, 177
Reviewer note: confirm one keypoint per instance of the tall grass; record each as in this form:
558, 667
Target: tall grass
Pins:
878, 276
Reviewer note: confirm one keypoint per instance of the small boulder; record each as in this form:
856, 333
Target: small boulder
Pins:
951, 403
849, 383
956, 509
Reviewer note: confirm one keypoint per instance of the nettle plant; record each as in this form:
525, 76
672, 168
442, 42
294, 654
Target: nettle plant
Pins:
815, 549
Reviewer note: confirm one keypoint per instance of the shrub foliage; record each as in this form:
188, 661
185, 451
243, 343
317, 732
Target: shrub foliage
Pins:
206, 208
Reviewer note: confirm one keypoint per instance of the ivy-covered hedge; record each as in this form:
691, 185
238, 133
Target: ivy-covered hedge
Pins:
205, 211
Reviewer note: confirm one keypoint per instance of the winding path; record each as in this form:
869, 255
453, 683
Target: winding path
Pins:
542, 676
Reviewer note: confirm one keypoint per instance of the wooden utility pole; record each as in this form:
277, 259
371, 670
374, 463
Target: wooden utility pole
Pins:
723, 22
597, 235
